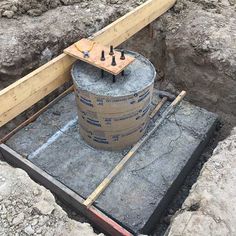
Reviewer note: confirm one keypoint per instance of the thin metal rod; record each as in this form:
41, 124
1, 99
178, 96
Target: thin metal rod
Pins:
113, 78
102, 73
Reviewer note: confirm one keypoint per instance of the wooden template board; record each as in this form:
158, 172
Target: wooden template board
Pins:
95, 56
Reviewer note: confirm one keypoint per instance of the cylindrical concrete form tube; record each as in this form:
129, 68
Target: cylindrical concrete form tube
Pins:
113, 116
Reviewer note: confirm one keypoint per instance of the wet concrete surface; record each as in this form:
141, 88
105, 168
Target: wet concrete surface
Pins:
143, 189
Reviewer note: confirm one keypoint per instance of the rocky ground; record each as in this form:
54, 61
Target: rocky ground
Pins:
27, 208
210, 207
201, 52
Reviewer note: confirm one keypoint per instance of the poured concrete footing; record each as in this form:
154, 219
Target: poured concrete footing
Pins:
139, 194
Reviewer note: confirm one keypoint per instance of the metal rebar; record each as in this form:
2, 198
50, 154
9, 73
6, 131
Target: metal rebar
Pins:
114, 78
103, 56
113, 63
122, 57
102, 73
111, 51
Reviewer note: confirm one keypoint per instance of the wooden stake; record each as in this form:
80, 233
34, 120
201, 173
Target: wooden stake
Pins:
105, 183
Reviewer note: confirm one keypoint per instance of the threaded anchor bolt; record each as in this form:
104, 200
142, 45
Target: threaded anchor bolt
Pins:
122, 57
111, 51
113, 63
114, 78
103, 56
102, 73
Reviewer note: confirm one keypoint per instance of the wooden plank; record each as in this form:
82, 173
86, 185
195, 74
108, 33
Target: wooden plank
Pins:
106, 182
64, 193
95, 56
27, 91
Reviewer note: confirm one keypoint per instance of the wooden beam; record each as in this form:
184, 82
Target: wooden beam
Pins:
27, 91
158, 107
36, 115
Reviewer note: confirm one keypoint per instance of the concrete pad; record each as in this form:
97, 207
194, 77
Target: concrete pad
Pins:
143, 189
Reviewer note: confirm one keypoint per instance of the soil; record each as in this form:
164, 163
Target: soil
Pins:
27, 208
209, 208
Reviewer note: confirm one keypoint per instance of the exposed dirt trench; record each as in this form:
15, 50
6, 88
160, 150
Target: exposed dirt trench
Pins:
193, 47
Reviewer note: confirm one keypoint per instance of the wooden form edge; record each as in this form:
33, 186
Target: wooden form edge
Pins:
30, 89
64, 193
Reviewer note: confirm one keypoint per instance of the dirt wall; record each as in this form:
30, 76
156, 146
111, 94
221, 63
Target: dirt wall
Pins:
193, 48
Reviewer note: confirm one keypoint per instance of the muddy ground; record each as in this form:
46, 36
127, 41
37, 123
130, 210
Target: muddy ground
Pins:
193, 47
